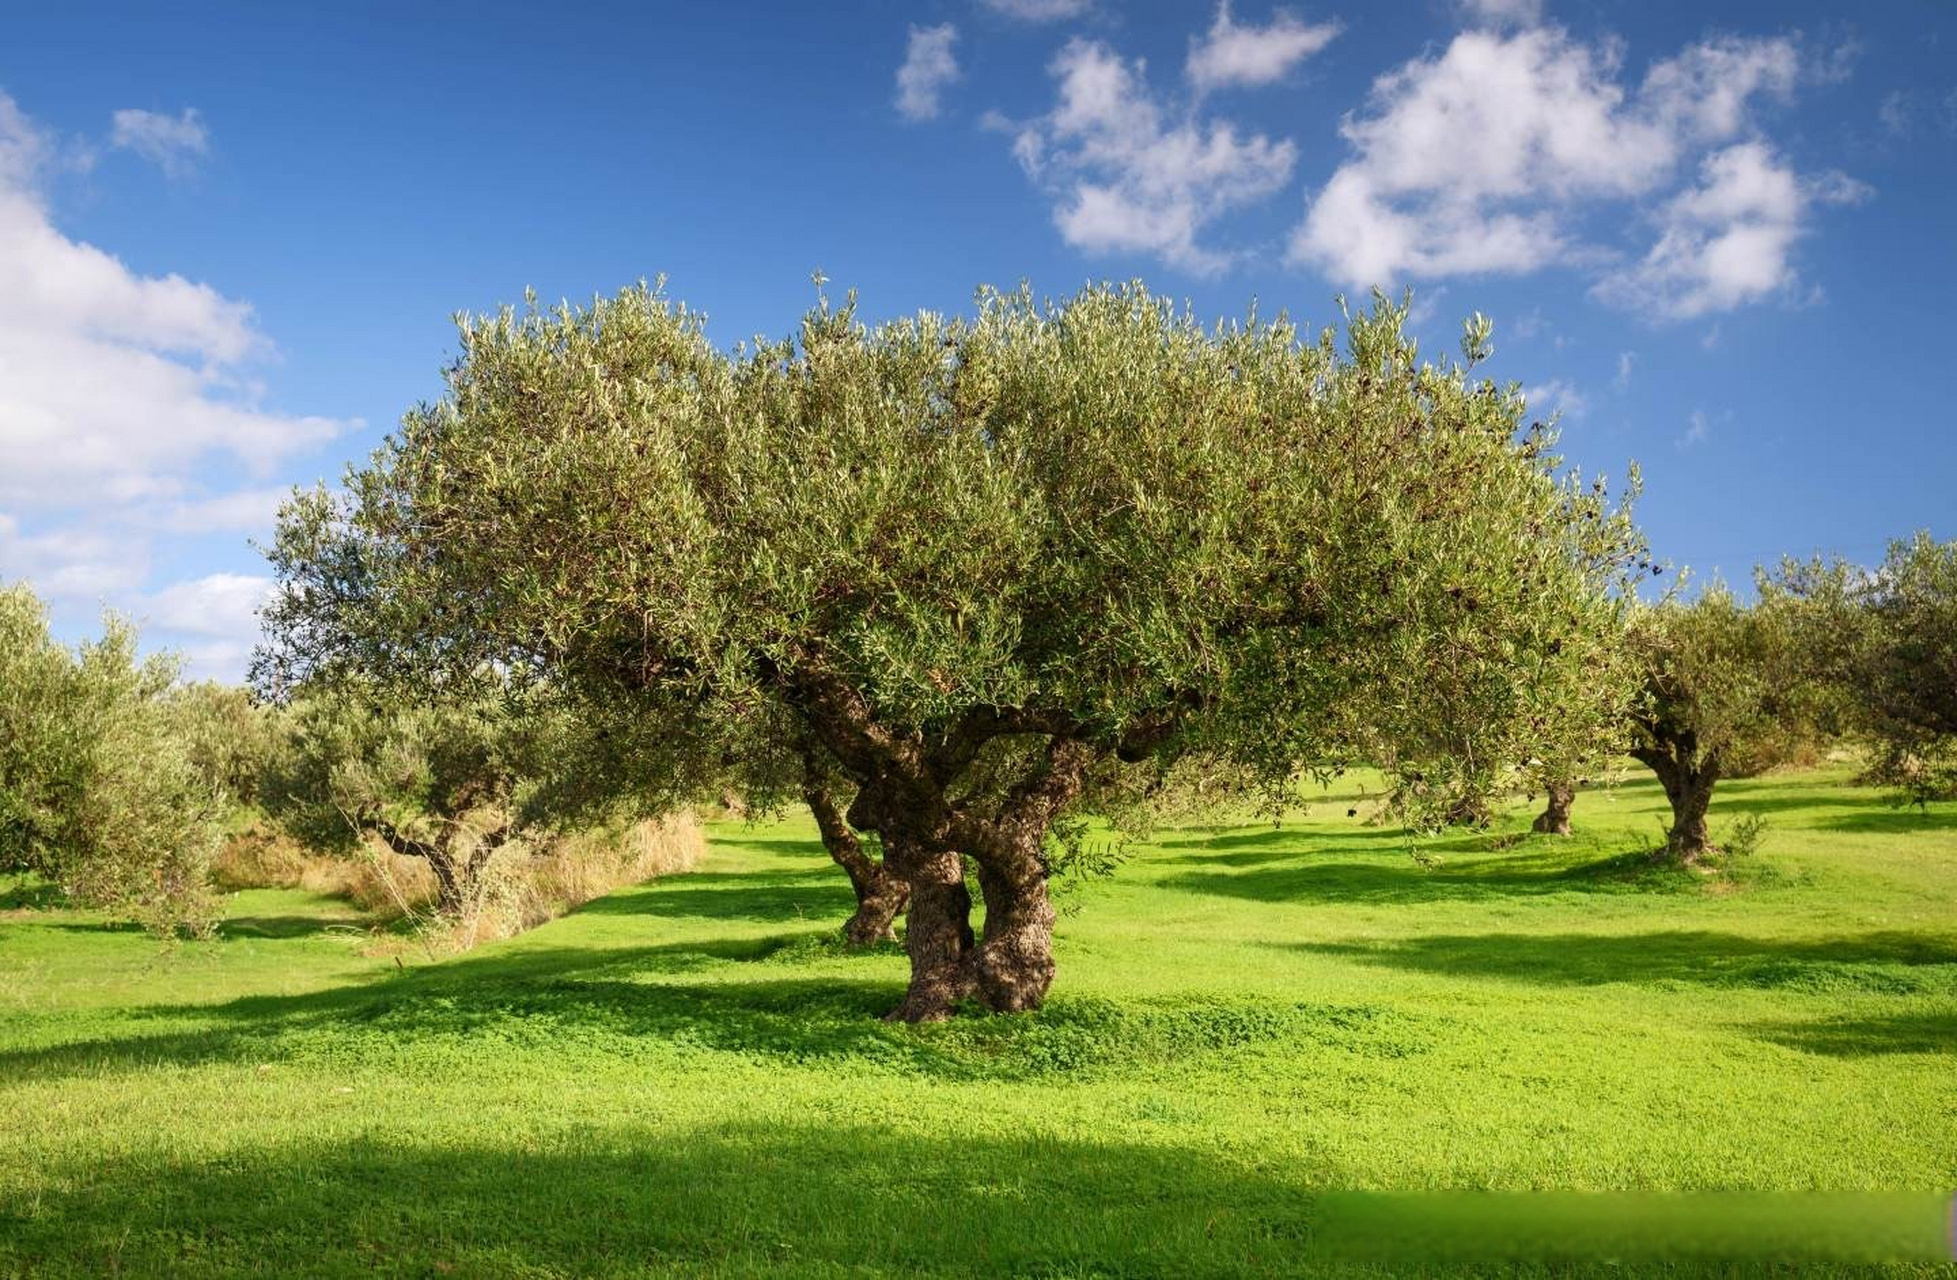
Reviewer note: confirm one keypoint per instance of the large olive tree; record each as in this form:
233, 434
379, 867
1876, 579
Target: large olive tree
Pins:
978, 559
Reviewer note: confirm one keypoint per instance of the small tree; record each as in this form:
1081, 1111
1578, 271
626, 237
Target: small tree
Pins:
976, 560
96, 791
434, 782
455, 778
1723, 698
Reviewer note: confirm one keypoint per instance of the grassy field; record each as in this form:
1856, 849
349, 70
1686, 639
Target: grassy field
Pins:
687, 1077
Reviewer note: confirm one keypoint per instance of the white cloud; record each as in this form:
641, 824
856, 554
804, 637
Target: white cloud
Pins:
244, 511
1249, 56
122, 397
174, 143
1128, 173
218, 605
929, 68
1895, 112
1039, 10
1726, 242
1483, 159
1555, 398
1697, 429
74, 564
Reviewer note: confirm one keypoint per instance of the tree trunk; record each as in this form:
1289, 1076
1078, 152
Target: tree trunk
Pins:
1688, 780
449, 888
1015, 954
1555, 818
1689, 840
880, 892
938, 933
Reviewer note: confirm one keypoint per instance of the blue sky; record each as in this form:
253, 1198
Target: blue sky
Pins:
1717, 238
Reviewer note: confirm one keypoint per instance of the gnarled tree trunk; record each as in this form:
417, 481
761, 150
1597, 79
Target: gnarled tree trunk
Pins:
1688, 778
1555, 818
880, 892
1015, 952
938, 931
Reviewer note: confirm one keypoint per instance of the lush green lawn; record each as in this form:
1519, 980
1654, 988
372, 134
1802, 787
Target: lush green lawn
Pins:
684, 1076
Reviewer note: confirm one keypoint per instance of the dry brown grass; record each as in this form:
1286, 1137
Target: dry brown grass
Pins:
377, 880
523, 886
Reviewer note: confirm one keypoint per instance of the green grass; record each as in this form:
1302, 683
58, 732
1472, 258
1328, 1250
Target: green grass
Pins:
1248, 1024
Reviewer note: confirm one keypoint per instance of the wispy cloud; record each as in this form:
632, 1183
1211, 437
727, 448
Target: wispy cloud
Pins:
1627, 362
1556, 398
174, 143
1039, 10
929, 68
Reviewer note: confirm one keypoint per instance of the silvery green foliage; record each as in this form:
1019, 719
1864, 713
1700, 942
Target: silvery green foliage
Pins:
1725, 675
227, 734
96, 789
1285, 551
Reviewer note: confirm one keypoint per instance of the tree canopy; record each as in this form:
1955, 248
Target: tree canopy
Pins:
977, 559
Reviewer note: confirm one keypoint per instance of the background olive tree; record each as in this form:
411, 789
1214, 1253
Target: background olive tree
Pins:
97, 791
1725, 695
976, 560
227, 734
1884, 642
452, 780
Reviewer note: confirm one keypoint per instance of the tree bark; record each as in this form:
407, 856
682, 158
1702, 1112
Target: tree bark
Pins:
880, 892
938, 934
1015, 953
1555, 818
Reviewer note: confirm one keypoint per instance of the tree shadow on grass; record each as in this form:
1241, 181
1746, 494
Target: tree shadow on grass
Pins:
1883, 963
291, 926
1934, 1032
792, 1198
750, 998
1896, 820
756, 1199
1537, 866
29, 893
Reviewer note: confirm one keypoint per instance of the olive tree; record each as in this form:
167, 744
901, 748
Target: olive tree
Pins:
977, 559
1884, 643
96, 790
450, 780
1724, 697
434, 782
